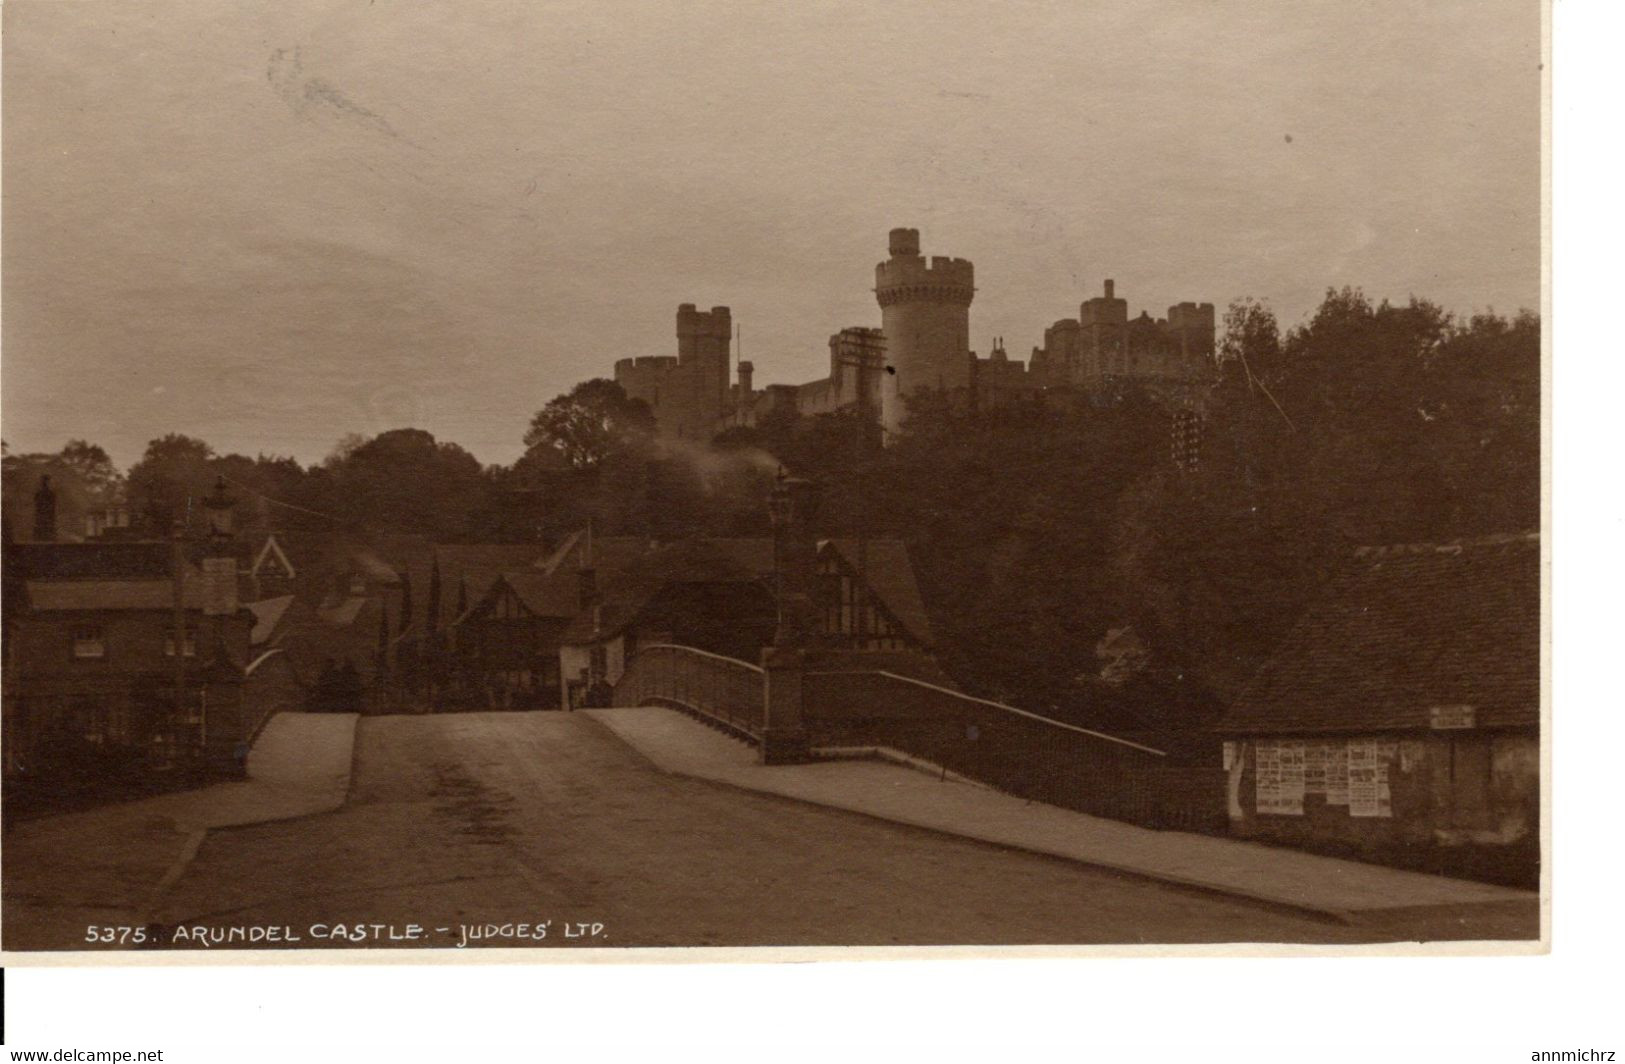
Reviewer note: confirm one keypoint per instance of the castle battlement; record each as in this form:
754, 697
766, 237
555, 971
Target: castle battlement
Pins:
717, 322
645, 363
1191, 315
917, 271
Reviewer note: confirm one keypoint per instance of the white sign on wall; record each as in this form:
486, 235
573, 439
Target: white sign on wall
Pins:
1451, 718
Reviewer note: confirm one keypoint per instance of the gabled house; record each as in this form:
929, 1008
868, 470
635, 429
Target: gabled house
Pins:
504, 646
718, 595
268, 572
1400, 719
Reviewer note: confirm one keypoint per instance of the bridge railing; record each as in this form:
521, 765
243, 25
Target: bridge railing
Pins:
1013, 750
722, 689
1010, 749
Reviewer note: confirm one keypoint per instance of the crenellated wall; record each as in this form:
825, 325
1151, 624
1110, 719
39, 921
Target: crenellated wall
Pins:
1104, 343
923, 344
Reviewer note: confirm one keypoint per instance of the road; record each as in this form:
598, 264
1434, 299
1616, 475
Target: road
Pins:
469, 820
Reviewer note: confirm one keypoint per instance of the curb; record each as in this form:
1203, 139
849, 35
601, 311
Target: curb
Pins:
1330, 915
197, 835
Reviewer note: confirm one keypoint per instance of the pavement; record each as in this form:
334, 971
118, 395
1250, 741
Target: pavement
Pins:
644, 828
1348, 891
111, 865
480, 828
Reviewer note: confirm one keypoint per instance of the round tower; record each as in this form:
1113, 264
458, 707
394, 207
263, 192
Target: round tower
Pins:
925, 316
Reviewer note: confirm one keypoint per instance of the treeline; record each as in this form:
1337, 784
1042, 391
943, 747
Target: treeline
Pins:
1036, 529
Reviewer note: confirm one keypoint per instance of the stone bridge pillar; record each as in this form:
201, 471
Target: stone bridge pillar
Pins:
784, 738
795, 556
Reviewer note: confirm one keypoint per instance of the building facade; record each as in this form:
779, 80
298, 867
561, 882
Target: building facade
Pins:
94, 667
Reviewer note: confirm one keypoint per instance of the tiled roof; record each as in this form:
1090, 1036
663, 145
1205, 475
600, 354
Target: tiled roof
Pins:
112, 594
312, 636
475, 565
631, 571
1405, 629
268, 614
343, 613
890, 573
93, 561
544, 594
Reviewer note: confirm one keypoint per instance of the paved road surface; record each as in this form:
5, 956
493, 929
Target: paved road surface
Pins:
477, 819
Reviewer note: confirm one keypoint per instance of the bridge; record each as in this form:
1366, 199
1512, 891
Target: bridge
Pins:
478, 824
833, 704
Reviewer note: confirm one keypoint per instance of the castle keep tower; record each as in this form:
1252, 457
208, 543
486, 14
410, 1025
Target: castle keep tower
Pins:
690, 393
925, 316
703, 343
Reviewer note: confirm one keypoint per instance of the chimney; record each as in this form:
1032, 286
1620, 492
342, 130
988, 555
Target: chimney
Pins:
45, 511
1111, 288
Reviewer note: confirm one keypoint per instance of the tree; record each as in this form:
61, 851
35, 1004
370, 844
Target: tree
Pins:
404, 480
586, 423
92, 466
1252, 340
174, 470
82, 475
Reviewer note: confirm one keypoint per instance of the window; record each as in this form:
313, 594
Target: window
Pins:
188, 646
89, 643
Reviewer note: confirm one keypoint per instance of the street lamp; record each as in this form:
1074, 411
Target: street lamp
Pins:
791, 507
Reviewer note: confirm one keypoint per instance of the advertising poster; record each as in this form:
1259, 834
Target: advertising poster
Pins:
1337, 774
1292, 778
1315, 757
1363, 777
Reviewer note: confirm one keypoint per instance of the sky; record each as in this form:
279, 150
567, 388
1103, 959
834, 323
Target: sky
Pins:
272, 224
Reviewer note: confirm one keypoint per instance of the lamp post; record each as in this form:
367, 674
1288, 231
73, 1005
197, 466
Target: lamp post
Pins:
219, 588
791, 505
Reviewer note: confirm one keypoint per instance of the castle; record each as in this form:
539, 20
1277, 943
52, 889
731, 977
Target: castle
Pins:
923, 344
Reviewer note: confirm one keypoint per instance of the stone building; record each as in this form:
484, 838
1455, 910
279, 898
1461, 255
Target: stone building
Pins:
925, 320
690, 394
922, 345
1103, 344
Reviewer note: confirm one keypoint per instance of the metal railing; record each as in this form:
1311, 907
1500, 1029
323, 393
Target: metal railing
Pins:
725, 690
1011, 749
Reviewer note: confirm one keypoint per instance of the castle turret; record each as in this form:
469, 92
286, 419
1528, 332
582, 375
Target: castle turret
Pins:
925, 316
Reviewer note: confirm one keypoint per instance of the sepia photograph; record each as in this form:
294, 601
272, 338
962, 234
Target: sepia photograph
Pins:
620, 478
